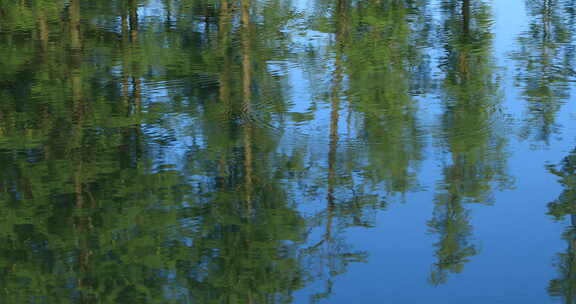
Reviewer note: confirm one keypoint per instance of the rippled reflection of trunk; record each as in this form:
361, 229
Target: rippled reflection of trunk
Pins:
134, 37
225, 78
43, 32
130, 77
137, 89
131, 85
466, 17
81, 224
463, 67
74, 11
246, 111
247, 102
168, 12
341, 10
546, 39
333, 146
133, 20
75, 43
76, 69
76, 86
546, 20
125, 57
341, 20
224, 45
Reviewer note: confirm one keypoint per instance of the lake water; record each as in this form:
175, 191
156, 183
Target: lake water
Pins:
288, 151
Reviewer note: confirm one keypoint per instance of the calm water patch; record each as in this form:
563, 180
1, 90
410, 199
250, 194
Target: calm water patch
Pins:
178, 151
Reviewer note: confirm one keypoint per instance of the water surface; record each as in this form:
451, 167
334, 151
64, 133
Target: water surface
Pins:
287, 151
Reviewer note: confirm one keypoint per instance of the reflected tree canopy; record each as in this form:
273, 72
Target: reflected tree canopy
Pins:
546, 64
564, 286
469, 133
222, 151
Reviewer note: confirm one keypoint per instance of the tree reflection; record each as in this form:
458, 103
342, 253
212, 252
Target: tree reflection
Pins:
102, 203
546, 64
384, 57
145, 155
564, 287
469, 133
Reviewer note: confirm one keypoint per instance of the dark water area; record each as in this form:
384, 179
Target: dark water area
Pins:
287, 151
